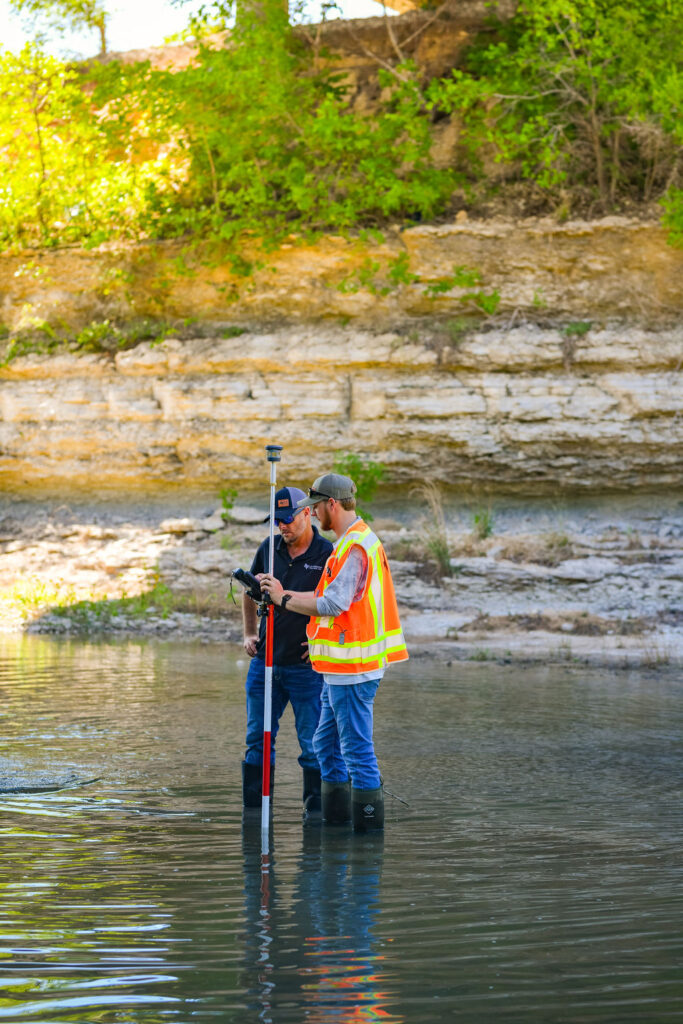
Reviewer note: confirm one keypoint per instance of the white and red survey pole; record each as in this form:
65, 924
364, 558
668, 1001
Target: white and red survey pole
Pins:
273, 456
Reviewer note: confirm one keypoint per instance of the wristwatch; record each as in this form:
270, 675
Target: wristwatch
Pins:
283, 602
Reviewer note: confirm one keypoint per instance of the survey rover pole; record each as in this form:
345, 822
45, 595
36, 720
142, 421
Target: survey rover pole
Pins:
273, 456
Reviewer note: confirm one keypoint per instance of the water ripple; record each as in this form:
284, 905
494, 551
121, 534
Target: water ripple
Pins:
532, 874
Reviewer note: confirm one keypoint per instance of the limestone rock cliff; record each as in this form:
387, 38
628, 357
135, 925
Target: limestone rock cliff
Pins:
516, 408
359, 344
614, 267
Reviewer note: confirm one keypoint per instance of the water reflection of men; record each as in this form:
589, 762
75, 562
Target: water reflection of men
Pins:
343, 976
354, 633
310, 938
299, 556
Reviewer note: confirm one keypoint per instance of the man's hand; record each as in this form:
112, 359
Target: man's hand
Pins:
251, 645
271, 586
306, 656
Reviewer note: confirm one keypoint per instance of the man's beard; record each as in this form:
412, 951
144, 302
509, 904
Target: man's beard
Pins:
324, 519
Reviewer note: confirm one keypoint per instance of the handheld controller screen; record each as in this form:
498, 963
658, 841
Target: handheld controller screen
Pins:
249, 582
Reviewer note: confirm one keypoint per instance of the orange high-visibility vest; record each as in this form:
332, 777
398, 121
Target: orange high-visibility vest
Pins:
368, 636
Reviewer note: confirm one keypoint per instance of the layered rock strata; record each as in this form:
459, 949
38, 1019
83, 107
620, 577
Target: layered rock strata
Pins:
524, 408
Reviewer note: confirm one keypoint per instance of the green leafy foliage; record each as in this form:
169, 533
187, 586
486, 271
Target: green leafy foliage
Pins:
363, 277
673, 215
466, 277
62, 179
487, 302
99, 336
228, 496
482, 522
462, 277
245, 139
577, 328
577, 94
268, 144
367, 476
399, 271
257, 139
380, 277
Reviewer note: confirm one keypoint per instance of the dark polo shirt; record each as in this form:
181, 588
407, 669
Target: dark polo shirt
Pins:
301, 574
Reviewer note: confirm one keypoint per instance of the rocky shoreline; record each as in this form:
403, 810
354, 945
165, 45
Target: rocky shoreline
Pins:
534, 585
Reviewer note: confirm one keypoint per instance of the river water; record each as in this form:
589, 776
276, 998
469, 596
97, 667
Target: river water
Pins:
529, 872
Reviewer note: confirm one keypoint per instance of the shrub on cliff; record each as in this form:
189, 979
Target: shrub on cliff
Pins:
249, 137
580, 95
61, 180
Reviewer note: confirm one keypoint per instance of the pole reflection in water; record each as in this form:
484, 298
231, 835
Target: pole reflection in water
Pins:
311, 939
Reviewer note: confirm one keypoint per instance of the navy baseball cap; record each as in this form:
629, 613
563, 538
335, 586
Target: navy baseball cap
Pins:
285, 504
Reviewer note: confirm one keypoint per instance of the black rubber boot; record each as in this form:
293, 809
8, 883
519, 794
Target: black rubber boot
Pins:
335, 798
368, 809
251, 783
312, 802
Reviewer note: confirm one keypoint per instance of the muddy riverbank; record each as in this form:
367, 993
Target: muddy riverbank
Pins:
597, 582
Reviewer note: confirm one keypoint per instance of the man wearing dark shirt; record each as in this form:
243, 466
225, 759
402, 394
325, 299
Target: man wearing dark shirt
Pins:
299, 557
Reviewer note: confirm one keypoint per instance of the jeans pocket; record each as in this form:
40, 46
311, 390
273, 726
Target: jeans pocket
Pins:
366, 691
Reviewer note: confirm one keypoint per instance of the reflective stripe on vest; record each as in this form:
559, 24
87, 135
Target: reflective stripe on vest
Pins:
368, 636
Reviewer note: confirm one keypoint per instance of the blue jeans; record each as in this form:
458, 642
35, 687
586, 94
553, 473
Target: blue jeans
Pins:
295, 684
343, 740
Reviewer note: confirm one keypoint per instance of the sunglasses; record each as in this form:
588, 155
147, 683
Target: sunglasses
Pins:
290, 518
317, 495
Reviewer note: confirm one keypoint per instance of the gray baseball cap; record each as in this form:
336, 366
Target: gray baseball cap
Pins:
329, 485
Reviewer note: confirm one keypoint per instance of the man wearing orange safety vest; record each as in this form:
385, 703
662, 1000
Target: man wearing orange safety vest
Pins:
354, 632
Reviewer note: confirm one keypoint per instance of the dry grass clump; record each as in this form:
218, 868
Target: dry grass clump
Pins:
542, 549
434, 533
471, 546
582, 624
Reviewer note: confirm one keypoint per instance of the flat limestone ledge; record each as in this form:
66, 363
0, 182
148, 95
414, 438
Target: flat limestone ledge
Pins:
660, 651
612, 267
614, 598
316, 349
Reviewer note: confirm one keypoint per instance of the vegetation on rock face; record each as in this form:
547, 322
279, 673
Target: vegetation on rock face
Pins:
99, 336
581, 99
367, 476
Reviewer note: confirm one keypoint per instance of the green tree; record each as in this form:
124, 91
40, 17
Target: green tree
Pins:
63, 179
271, 145
247, 139
90, 14
579, 93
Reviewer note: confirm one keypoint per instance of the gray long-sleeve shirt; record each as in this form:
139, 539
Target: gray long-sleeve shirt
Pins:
347, 587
